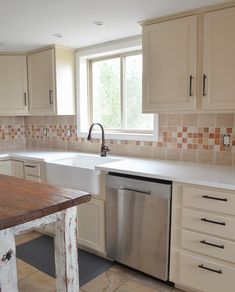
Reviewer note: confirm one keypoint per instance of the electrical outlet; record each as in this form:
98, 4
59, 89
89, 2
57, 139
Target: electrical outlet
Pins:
226, 140
69, 133
45, 131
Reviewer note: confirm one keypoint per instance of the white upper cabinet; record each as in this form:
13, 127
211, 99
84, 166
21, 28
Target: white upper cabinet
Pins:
13, 85
51, 75
170, 65
219, 60
41, 82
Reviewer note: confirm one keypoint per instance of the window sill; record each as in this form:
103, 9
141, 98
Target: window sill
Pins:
122, 136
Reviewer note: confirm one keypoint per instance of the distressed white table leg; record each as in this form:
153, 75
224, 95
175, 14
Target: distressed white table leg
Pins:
8, 271
66, 252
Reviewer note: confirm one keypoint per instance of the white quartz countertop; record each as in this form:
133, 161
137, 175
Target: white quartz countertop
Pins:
183, 172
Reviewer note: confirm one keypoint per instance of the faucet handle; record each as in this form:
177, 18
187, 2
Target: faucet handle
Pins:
104, 149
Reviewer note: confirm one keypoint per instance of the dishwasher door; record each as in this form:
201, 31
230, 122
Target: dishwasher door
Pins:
138, 224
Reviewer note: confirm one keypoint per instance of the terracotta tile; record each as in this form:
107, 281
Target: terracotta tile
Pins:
24, 269
133, 286
108, 282
39, 282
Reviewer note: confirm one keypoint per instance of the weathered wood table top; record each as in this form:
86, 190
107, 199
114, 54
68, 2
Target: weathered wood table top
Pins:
22, 200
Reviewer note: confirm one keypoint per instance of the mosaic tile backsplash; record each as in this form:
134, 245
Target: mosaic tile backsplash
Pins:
186, 137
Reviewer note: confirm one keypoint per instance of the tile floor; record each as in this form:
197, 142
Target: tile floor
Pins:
117, 278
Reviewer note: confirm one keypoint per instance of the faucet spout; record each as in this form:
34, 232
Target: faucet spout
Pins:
104, 148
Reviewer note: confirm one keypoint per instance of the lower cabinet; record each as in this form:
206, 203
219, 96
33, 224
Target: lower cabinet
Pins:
91, 225
202, 254
5, 167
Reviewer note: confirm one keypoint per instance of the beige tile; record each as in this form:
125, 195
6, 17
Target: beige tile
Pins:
206, 120
224, 120
19, 120
8, 120
224, 158
189, 155
146, 152
190, 120
39, 282
133, 286
108, 282
132, 150
159, 153
205, 156
162, 120
24, 269
173, 154
174, 120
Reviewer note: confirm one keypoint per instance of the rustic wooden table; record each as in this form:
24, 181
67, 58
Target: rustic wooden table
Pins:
25, 205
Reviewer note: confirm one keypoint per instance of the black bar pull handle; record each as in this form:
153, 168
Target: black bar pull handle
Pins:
209, 269
204, 85
190, 85
31, 166
25, 98
212, 244
212, 221
214, 198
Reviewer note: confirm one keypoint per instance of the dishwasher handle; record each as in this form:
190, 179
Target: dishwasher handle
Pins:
135, 190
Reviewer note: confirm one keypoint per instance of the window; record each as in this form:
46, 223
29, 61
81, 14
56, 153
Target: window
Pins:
109, 91
115, 94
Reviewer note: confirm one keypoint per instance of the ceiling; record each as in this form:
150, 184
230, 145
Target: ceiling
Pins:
30, 24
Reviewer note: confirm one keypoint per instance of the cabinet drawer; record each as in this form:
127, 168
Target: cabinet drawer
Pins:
33, 178
32, 168
205, 275
208, 245
209, 223
217, 201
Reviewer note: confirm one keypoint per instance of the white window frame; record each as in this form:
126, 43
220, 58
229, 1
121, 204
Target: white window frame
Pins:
109, 49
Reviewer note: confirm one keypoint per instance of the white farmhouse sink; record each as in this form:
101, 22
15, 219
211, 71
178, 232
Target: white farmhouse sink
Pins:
78, 172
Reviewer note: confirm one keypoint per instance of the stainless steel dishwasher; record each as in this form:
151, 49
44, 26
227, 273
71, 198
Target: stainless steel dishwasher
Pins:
138, 223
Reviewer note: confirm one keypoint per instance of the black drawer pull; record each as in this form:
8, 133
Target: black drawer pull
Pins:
209, 269
212, 221
31, 166
190, 85
212, 244
214, 198
204, 85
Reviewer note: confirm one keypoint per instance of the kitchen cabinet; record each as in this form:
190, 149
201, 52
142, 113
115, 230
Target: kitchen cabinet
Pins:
5, 167
51, 75
169, 65
219, 60
35, 171
189, 62
202, 238
13, 85
17, 168
91, 225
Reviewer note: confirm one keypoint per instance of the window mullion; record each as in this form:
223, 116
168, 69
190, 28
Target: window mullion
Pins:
123, 98
90, 92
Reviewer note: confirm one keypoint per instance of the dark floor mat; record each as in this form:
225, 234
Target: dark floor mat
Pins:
39, 253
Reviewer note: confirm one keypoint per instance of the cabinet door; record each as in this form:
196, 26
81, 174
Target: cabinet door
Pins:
91, 225
169, 65
5, 167
17, 168
42, 82
13, 85
219, 60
